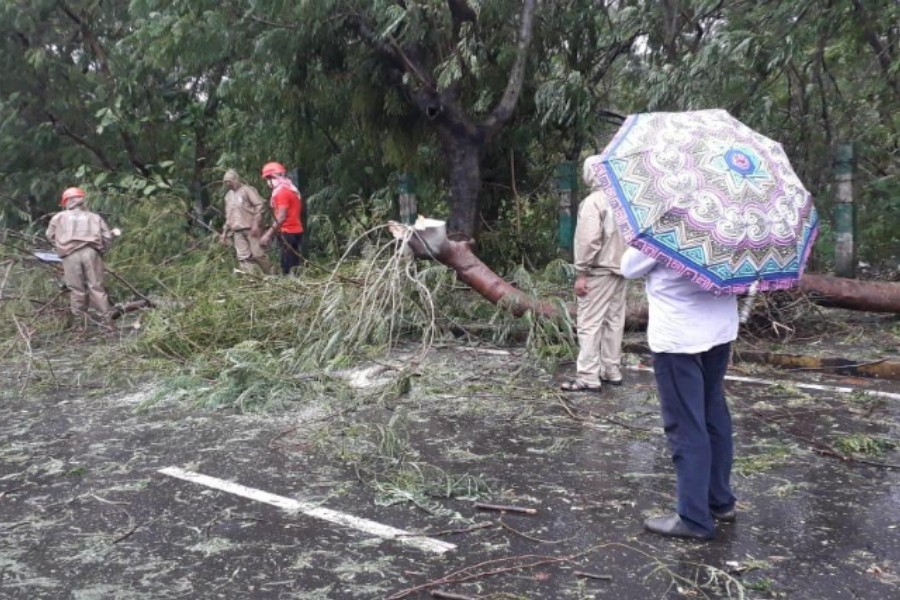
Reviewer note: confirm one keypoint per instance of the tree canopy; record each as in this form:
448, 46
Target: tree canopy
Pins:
146, 102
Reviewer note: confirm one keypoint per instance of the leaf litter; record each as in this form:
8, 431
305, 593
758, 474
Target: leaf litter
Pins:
410, 419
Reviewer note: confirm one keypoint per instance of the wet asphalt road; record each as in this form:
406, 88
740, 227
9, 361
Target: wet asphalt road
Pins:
85, 514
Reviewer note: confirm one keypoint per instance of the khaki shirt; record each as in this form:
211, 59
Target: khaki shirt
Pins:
598, 242
242, 207
71, 230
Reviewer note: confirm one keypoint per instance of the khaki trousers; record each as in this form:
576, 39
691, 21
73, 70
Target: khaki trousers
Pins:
83, 274
601, 322
249, 253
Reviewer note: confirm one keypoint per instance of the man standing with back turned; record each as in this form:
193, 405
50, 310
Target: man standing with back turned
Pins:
599, 288
690, 332
80, 238
243, 216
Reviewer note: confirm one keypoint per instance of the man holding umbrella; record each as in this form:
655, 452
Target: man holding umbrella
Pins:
710, 209
690, 332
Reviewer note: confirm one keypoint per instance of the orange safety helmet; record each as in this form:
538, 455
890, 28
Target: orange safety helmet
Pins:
273, 168
72, 192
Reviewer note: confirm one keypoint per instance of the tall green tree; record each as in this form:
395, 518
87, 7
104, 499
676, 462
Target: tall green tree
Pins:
479, 98
453, 69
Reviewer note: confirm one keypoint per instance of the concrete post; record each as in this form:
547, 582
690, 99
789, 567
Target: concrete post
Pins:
844, 211
567, 188
406, 194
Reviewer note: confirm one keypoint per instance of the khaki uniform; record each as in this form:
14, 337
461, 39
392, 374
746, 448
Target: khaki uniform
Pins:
601, 312
81, 238
242, 209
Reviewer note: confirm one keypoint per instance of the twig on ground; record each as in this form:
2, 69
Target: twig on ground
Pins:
128, 533
105, 501
586, 575
449, 596
529, 537
476, 527
528, 561
128, 285
25, 334
505, 508
52, 372
564, 402
825, 450
281, 434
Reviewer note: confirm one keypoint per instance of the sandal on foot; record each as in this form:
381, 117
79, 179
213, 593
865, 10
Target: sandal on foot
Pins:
577, 386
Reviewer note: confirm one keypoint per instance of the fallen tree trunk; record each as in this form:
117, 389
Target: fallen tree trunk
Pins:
428, 239
837, 292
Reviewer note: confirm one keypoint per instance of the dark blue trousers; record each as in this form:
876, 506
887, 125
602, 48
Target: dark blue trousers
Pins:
290, 251
698, 427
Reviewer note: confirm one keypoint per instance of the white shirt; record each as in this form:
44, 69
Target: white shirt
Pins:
684, 318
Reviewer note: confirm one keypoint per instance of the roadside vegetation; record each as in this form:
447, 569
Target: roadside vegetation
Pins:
145, 104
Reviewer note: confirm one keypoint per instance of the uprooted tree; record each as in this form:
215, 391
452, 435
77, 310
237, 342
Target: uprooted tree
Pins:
428, 239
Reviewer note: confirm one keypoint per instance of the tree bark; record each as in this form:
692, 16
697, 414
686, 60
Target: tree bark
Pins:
463, 139
428, 239
464, 155
839, 292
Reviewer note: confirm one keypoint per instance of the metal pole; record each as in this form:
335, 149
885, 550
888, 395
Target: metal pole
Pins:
406, 194
567, 186
844, 211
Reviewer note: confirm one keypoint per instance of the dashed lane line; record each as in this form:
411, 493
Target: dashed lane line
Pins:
312, 510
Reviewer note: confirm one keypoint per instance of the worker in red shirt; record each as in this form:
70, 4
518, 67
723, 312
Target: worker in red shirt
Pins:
286, 206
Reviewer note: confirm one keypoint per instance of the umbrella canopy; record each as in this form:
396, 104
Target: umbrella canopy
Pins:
709, 197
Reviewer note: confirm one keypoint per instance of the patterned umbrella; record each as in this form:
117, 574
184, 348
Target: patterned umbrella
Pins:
709, 197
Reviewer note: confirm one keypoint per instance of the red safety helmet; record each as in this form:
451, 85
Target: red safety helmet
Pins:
72, 192
273, 168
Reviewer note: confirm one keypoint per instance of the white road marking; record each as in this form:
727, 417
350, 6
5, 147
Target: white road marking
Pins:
312, 510
806, 386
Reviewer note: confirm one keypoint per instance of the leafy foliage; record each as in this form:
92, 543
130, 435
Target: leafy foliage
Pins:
149, 101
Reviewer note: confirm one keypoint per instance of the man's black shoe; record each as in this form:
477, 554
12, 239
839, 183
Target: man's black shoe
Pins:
673, 526
726, 516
